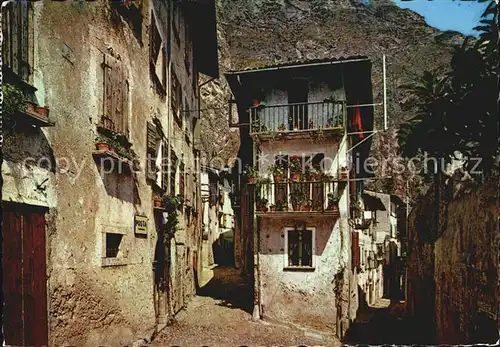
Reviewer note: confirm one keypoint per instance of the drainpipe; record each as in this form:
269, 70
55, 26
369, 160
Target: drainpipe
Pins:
256, 272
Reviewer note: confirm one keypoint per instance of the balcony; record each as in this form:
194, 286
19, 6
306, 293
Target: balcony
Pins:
298, 199
298, 120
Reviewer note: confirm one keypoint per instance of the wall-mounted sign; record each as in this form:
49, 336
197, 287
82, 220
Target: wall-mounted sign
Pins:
141, 225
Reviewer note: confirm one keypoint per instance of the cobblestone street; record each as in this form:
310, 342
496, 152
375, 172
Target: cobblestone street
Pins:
224, 319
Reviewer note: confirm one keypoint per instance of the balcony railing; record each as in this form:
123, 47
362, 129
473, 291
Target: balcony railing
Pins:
298, 197
297, 118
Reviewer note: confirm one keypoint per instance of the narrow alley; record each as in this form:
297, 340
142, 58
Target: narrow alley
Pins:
221, 316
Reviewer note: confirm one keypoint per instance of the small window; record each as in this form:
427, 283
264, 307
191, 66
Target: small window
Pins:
130, 11
300, 248
113, 244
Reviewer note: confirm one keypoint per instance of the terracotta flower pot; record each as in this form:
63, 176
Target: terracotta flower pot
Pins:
43, 111
101, 146
251, 180
278, 178
272, 208
157, 202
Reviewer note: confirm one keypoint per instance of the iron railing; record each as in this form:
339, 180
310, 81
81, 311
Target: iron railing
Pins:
304, 196
310, 116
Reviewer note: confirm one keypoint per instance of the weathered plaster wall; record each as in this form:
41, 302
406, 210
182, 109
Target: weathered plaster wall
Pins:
317, 299
452, 265
306, 298
93, 300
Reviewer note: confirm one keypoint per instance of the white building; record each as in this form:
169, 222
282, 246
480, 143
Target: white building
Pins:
294, 121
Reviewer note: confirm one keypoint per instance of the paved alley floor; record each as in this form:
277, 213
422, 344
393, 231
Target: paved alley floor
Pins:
221, 316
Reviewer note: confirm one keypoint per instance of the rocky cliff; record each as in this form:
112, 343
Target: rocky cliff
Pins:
262, 32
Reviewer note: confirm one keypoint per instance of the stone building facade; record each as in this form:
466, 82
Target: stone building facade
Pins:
452, 265
106, 271
294, 193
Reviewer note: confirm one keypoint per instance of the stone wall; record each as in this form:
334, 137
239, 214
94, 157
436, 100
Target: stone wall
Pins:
452, 264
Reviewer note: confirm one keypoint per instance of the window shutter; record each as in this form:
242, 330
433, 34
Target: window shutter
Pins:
355, 250
151, 145
16, 28
293, 248
115, 96
181, 181
23, 59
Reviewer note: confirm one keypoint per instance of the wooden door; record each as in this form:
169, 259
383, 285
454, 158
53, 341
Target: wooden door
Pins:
24, 278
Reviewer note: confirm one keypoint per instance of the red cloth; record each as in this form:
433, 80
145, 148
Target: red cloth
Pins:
356, 122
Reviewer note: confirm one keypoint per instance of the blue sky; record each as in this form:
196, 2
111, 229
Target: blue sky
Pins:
458, 15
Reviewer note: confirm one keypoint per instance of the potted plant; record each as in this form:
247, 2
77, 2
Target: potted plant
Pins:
333, 202
261, 204
343, 173
295, 168
251, 172
171, 202
278, 172
316, 173
307, 206
157, 201
297, 198
272, 208
329, 123
282, 127
295, 126
280, 206
103, 143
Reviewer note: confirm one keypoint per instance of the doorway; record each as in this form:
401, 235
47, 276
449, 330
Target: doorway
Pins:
24, 276
298, 91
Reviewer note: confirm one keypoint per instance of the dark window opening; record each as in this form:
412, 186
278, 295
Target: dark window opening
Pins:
300, 248
182, 189
130, 11
177, 13
298, 110
113, 244
158, 62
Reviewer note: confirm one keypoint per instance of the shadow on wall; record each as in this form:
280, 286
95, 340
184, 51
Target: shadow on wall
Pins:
30, 145
120, 183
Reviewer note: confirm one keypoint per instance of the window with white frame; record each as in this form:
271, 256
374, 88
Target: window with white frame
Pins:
299, 248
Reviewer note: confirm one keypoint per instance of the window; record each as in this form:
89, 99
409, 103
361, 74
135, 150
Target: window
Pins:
130, 11
176, 99
157, 59
17, 41
113, 244
297, 98
300, 246
116, 96
152, 149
